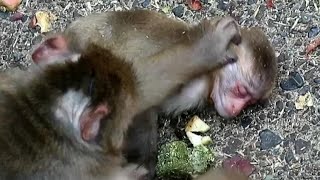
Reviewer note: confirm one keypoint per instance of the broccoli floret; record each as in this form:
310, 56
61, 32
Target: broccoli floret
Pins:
201, 157
173, 160
176, 160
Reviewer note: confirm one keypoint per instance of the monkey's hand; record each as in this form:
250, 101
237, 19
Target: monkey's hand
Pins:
218, 34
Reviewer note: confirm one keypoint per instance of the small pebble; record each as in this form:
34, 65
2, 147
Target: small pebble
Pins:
305, 128
246, 121
313, 31
262, 117
251, 2
146, 3
288, 96
294, 81
298, 43
4, 15
301, 146
282, 57
205, 1
304, 90
286, 67
305, 19
223, 5
289, 156
317, 80
178, 11
37, 39
269, 139
279, 105
290, 113
290, 105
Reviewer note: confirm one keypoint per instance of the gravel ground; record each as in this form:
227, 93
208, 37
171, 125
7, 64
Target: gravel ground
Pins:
281, 141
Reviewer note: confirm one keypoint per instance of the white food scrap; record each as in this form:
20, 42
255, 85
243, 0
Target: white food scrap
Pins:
303, 101
196, 125
197, 140
44, 20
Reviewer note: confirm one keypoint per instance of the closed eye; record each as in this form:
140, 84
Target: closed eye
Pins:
240, 91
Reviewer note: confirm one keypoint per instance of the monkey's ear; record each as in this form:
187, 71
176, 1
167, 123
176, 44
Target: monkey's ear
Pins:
90, 121
53, 50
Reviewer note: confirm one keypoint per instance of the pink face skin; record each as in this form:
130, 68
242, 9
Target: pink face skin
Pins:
231, 103
231, 93
236, 85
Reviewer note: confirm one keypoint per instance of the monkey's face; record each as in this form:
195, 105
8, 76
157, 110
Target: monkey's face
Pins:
240, 84
230, 93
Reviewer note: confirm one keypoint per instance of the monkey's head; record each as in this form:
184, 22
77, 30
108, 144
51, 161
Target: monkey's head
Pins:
88, 88
249, 80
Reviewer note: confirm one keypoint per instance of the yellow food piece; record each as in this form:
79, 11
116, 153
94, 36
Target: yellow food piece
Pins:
196, 125
44, 20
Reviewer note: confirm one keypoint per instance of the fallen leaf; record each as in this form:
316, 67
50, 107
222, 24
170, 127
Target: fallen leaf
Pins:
239, 164
312, 46
33, 22
17, 16
10, 5
304, 101
194, 4
43, 19
270, 4
196, 125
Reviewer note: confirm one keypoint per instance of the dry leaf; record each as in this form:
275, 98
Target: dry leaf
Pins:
17, 16
43, 19
270, 4
312, 46
10, 5
196, 125
194, 4
239, 164
304, 101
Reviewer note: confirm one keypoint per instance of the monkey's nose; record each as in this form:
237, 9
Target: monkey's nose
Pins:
235, 110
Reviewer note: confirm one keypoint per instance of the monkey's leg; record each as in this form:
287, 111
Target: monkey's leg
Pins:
141, 141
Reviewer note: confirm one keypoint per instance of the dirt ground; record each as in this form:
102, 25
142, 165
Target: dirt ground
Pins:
280, 141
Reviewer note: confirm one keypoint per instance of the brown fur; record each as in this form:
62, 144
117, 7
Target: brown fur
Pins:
69, 119
144, 37
34, 145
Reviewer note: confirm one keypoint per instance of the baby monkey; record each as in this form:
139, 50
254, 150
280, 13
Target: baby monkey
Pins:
141, 34
67, 117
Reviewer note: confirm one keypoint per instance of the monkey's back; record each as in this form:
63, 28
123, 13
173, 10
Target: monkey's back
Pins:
31, 144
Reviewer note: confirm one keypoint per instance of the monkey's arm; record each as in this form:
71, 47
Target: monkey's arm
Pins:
164, 72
